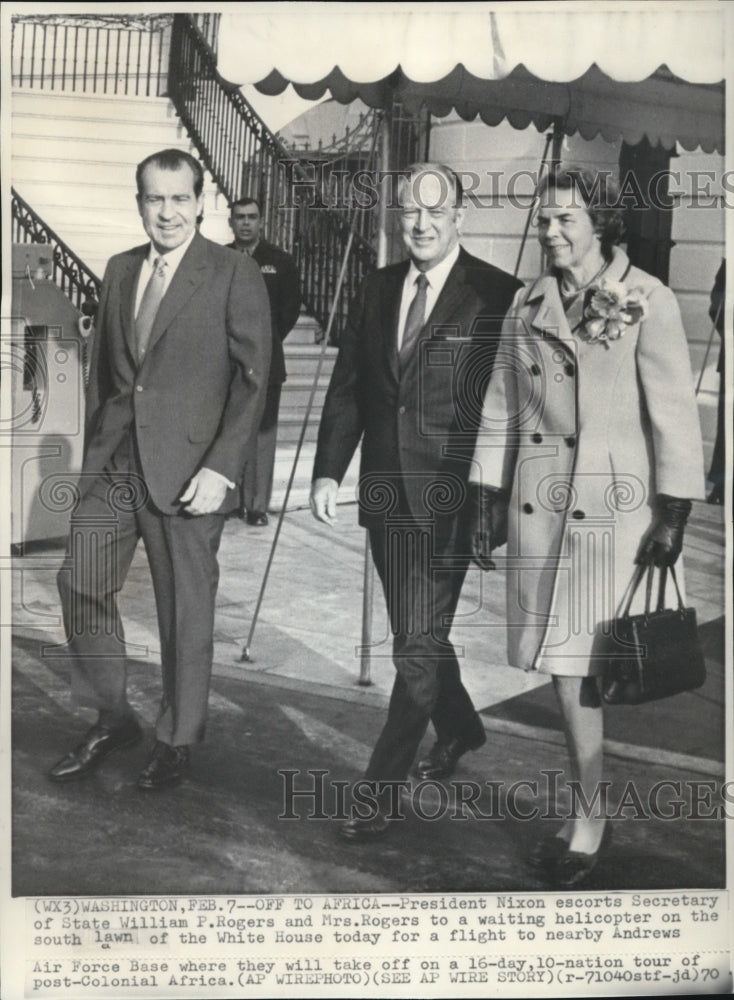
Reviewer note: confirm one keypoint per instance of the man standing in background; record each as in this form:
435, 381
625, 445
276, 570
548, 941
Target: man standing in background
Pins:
281, 279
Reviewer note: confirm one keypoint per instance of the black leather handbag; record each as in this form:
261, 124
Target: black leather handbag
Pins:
655, 654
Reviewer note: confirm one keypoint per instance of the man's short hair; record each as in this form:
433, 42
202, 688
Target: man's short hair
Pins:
171, 159
449, 175
245, 200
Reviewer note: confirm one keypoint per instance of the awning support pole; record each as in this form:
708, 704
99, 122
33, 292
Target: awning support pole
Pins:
708, 346
245, 656
368, 584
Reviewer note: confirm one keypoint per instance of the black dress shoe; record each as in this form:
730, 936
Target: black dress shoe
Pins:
257, 518
574, 867
167, 765
364, 831
441, 760
99, 742
547, 853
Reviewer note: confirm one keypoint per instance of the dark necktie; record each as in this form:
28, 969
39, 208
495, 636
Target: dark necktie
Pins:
149, 305
415, 320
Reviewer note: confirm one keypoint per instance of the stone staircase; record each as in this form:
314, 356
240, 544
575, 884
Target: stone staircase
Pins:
302, 359
73, 160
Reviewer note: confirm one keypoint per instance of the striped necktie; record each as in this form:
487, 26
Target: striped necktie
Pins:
149, 305
415, 320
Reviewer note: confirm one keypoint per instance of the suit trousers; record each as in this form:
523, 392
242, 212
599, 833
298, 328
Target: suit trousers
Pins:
257, 481
182, 554
422, 571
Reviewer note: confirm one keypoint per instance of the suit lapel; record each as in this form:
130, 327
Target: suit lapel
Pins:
189, 276
128, 291
391, 318
547, 315
450, 297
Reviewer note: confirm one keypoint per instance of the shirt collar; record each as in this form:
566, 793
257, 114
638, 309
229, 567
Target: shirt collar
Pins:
616, 269
248, 250
174, 257
436, 275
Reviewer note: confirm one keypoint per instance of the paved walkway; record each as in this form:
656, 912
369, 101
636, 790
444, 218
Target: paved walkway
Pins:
297, 705
309, 626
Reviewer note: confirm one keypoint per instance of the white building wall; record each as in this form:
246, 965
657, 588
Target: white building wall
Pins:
699, 238
505, 160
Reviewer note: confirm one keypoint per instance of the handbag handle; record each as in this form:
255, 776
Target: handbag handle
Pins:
637, 579
634, 584
661, 590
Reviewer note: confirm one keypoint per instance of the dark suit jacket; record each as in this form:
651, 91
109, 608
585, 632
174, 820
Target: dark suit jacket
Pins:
284, 289
419, 426
198, 395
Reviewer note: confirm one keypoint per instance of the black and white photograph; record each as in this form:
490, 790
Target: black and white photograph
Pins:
366, 499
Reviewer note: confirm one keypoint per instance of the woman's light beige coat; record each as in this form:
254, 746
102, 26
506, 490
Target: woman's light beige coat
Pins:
584, 435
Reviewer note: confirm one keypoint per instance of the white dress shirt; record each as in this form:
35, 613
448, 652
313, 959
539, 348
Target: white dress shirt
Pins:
172, 258
436, 276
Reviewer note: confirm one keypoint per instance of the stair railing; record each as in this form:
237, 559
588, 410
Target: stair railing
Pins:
91, 53
68, 271
246, 159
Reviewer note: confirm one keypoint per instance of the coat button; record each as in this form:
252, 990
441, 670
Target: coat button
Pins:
579, 515
569, 369
138, 388
536, 438
528, 508
535, 369
401, 410
570, 441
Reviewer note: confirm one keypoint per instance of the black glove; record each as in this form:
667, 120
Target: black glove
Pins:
662, 544
487, 513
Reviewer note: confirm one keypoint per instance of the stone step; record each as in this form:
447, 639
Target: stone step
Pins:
302, 359
95, 152
81, 171
290, 426
101, 129
118, 107
58, 190
74, 159
306, 331
297, 392
310, 352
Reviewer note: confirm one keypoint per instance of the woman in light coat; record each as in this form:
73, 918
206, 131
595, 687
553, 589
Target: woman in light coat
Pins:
588, 457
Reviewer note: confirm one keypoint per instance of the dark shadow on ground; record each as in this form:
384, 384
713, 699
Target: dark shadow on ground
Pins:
222, 831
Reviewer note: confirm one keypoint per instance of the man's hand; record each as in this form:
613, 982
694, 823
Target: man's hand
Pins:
205, 493
487, 514
323, 500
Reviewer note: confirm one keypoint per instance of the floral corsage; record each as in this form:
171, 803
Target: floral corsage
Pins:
610, 308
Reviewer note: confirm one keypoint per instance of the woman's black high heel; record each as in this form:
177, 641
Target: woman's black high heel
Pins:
546, 853
573, 868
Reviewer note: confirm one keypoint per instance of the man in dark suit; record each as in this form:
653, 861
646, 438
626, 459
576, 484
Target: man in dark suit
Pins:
408, 381
281, 279
177, 384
